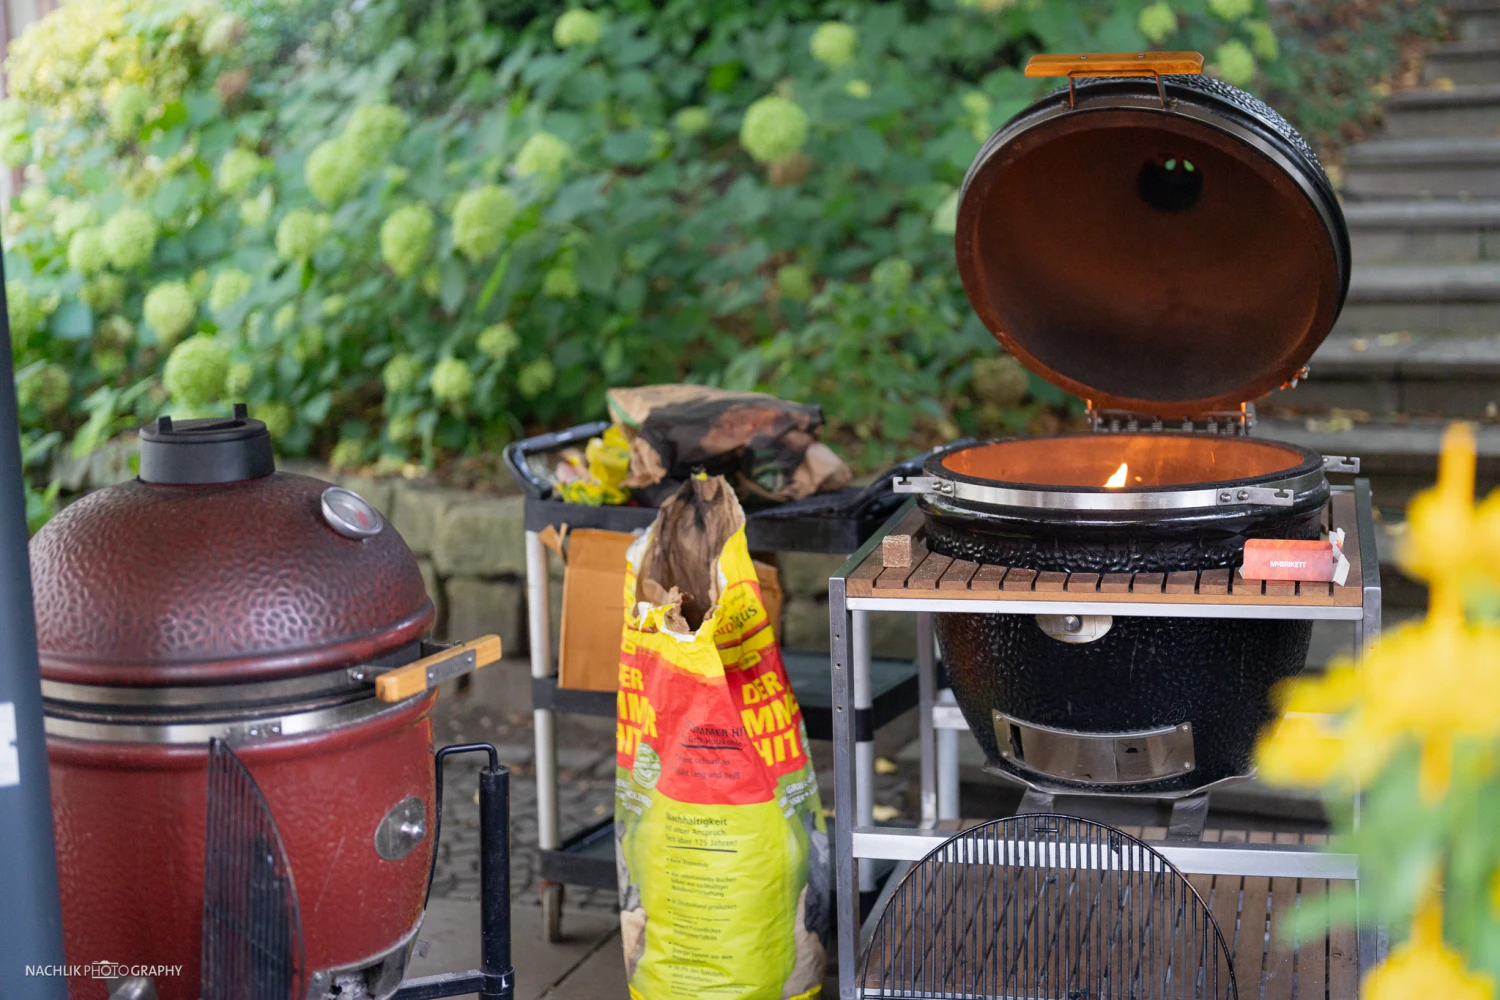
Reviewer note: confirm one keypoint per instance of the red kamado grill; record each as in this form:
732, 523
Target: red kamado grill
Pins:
216, 599
1169, 268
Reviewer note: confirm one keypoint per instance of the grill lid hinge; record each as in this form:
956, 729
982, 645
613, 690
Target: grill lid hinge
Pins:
1229, 422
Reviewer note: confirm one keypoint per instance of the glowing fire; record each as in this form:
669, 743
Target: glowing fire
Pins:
1118, 479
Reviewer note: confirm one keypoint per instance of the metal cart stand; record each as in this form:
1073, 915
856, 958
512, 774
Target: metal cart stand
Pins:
831, 524
863, 585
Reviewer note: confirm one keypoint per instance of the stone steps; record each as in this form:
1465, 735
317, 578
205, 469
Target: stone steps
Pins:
1423, 299
1399, 458
1439, 377
1433, 112
1391, 232
1465, 168
1475, 20
1468, 62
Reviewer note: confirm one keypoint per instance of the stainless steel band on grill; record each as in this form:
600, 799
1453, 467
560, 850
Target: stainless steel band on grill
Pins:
236, 713
1279, 493
1128, 758
235, 731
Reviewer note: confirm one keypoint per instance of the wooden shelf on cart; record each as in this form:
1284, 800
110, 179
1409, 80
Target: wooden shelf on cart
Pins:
1254, 915
940, 577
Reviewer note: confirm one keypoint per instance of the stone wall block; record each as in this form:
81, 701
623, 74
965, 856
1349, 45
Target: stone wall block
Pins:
804, 624
805, 574
482, 536
434, 587
416, 509
478, 607
379, 492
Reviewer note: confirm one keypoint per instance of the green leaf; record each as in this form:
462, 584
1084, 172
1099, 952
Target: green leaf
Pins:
455, 281
630, 147
73, 321
577, 199
202, 107
596, 266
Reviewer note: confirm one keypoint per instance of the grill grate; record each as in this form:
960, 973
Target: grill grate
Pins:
1044, 906
252, 925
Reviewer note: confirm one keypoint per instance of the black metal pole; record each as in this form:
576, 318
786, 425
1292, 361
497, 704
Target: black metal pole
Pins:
494, 883
28, 858
495, 979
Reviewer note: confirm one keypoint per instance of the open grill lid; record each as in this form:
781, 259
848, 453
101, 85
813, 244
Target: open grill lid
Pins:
1155, 242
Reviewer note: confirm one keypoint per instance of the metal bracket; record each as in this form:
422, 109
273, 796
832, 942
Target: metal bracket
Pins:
132, 988
1189, 817
1228, 422
921, 484
1255, 494
1075, 628
1340, 463
1291, 383
402, 829
252, 732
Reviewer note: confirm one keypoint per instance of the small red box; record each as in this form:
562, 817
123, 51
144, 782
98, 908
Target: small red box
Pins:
1288, 559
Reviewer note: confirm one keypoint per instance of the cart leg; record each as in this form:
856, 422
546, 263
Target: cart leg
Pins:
864, 739
947, 764
539, 622
926, 699
841, 633
552, 907
1367, 629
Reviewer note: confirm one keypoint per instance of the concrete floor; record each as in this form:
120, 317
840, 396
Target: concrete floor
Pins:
586, 965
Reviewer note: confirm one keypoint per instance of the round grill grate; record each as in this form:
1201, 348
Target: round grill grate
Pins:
1047, 906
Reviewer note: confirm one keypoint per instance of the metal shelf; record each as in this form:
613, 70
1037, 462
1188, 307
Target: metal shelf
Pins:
865, 843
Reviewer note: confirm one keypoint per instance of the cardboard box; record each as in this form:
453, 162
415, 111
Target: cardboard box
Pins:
593, 607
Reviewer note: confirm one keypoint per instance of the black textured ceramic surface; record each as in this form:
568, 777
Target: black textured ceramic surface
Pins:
1145, 672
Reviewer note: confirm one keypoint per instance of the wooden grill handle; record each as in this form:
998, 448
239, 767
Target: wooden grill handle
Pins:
430, 671
1116, 64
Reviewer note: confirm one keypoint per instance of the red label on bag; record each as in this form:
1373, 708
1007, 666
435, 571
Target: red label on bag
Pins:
720, 749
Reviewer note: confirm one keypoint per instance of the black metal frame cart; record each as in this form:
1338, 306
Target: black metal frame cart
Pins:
830, 524
861, 844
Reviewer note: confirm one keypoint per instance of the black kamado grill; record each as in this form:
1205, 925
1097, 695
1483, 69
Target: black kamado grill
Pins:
1170, 249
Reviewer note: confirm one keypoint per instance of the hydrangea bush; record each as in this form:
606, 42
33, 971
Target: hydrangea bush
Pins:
402, 234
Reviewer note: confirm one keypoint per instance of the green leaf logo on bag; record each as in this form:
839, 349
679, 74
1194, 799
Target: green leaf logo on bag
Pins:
646, 767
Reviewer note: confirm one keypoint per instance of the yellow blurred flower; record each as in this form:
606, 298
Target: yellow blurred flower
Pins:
1425, 966
1301, 750
1434, 681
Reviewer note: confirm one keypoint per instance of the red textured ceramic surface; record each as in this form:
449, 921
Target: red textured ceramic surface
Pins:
149, 584
129, 820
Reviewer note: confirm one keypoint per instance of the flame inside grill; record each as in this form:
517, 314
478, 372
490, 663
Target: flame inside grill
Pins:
1085, 461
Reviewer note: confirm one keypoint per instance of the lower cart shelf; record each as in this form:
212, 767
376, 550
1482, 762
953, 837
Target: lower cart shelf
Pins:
585, 859
1255, 916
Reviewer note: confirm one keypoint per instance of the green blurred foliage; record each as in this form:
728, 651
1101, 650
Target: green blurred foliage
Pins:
309, 167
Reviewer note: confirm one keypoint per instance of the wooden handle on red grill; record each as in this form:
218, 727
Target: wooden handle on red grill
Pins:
1116, 64
430, 671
